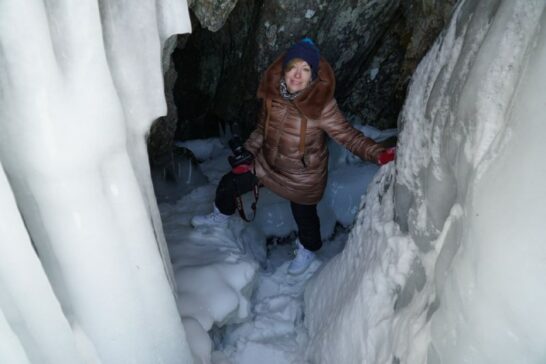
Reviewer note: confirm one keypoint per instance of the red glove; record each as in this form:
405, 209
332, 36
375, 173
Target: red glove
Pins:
242, 168
386, 156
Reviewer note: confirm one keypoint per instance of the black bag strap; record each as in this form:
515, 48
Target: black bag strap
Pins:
241, 208
239, 201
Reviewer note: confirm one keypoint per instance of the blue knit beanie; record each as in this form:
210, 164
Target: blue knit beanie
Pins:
304, 49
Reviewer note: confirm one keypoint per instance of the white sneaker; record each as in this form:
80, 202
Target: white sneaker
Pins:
302, 261
215, 218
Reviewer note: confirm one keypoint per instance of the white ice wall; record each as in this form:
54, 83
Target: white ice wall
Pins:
446, 261
80, 84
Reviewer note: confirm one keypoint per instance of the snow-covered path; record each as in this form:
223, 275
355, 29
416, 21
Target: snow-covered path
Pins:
232, 287
275, 331
229, 286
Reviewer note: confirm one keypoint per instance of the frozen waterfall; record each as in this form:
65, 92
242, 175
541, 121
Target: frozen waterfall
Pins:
80, 84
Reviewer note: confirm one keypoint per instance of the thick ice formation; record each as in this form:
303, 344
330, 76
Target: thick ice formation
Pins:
37, 316
80, 85
446, 262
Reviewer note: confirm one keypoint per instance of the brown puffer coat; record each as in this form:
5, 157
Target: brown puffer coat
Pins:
289, 142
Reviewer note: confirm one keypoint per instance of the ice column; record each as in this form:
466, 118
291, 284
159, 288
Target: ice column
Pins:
80, 84
27, 300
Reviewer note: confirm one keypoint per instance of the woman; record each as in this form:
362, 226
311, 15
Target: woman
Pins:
289, 144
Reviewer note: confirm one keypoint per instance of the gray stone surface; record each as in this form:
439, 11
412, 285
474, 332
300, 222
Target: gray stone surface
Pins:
161, 136
212, 14
373, 45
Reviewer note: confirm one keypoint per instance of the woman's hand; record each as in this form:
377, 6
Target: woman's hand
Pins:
386, 156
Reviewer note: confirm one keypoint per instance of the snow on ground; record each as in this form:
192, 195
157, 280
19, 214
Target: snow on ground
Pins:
232, 287
275, 333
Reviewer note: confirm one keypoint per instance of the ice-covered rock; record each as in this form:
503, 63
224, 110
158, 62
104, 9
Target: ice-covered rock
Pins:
445, 263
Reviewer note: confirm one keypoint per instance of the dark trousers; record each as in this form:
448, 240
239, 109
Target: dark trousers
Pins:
306, 216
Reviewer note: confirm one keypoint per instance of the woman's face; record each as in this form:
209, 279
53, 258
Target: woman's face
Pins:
297, 76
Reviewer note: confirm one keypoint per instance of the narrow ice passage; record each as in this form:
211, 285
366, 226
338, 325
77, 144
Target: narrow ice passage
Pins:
423, 279
235, 295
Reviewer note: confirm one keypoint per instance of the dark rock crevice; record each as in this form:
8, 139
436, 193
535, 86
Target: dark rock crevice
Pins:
373, 46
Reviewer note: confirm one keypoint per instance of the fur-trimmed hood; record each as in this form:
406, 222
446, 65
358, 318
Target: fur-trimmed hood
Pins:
312, 100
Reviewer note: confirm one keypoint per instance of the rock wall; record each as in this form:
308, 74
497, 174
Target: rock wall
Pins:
161, 134
373, 46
